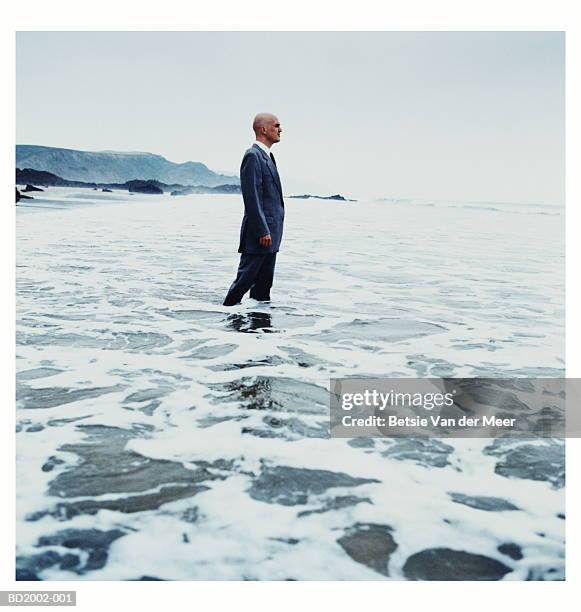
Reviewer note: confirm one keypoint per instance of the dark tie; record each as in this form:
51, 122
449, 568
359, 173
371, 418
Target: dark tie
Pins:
273, 160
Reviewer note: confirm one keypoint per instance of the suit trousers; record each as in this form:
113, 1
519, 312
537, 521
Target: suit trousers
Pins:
255, 272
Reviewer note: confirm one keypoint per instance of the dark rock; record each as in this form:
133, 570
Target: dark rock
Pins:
144, 187
543, 460
49, 397
146, 395
127, 505
427, 452
32, 188
61, 422
511, 550
36, 373
226, 188
210, 421
361, 442
448, 564
337, 503
39, 177
480, 502
308, 196
69, 561
290, 541
370, 544
21, 196
51, 463
105, 190
260, 433
291, 486
28, 567
25, 574
213, 351
93, 541
107, 467
150, 408
126, 340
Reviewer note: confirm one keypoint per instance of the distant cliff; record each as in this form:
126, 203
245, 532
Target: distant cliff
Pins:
117, 167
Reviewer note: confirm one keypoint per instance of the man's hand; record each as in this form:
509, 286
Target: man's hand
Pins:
265, 241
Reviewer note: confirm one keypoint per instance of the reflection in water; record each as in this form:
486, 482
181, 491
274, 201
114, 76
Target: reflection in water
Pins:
276, 393
251, 322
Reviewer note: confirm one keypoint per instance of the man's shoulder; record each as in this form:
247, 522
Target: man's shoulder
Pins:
252, 155
255, 151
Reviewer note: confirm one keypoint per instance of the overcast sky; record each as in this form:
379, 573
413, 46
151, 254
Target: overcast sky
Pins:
459, 116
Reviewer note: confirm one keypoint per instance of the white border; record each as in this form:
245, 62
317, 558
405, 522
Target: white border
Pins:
301, 15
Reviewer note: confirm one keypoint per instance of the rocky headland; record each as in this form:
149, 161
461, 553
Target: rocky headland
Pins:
32, 178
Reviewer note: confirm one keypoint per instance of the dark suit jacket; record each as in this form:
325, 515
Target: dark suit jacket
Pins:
263, 202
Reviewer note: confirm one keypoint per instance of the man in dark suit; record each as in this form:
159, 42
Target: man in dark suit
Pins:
262, 224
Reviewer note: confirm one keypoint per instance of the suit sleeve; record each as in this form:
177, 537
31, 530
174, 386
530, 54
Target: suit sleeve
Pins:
251, 186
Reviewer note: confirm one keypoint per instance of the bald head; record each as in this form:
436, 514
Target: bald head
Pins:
267, 128
263, 120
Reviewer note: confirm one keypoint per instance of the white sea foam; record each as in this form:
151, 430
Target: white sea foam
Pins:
121, 304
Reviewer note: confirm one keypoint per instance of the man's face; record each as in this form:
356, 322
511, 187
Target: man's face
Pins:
273, 130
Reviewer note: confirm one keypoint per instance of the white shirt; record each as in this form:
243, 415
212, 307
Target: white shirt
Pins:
263, 147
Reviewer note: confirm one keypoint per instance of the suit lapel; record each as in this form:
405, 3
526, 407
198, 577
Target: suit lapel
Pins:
272, 169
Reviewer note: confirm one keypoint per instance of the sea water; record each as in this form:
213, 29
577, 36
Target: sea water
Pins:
161, 435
